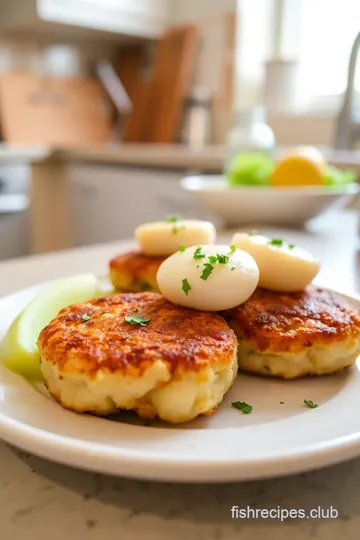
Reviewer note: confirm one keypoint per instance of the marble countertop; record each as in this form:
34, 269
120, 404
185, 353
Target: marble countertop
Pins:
40, 499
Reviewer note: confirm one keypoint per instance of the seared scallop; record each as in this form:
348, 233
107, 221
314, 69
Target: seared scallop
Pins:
140, 352
164, 237
283, 267
312, 332
133, 271
211, 277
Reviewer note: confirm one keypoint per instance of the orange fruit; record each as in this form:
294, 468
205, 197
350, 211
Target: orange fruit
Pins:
305, 166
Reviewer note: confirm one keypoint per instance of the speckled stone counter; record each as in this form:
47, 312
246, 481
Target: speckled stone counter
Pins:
42, 500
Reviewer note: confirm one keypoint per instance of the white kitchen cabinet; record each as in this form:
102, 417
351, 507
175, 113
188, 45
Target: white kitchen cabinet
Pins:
125, 18
108, 202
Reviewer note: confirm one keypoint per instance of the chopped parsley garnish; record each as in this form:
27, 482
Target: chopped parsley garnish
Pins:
198, 254
198, 266
137, 319
175, 220
182, 249
222, 259
218, 258
103, 313
85, 317
245, 408
310, 404
232, 248
176, 229
276, 242
208, 268
291, 246
252, 233
233, 268
136, 310
186, 286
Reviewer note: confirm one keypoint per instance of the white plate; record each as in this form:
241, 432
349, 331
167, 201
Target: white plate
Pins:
276, 439
246, 205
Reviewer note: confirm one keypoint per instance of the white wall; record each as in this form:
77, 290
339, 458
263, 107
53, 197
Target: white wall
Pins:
50, 59
292, 130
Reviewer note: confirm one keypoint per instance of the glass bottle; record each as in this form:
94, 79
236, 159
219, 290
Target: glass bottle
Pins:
250, 133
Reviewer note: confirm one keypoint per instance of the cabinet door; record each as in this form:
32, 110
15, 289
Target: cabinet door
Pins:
143, 18
108, 202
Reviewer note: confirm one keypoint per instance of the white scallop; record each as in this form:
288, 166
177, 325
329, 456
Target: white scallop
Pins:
227, 286
164, 238
281, 268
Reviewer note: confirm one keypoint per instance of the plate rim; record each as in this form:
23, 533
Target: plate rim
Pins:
160, 467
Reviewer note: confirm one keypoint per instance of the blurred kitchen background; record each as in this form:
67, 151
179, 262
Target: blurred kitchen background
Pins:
105, 105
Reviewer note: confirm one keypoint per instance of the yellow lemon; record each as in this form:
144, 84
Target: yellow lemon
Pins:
305, 166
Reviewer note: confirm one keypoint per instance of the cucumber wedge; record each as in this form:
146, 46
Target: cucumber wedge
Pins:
18, 351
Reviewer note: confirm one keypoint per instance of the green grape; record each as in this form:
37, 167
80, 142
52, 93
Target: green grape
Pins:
335, 177
250, 169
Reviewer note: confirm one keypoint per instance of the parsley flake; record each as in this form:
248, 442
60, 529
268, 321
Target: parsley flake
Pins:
252, 233
85, 317
182, 249
173, 219
276, 242
242, 406
207, 271
176, 229
233, 268
232, 248
137, 319
198, 254
222, 259
136, 310
218, 258
103, 313
310, 404
186, 286
291, 246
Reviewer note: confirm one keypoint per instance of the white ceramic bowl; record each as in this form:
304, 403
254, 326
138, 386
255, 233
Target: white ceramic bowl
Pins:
262, 205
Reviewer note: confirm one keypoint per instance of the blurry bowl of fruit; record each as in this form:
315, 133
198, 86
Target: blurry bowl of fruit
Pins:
259, 190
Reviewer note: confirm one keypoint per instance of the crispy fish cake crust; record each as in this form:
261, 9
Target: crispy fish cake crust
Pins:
314, 331
176, 367
133, 271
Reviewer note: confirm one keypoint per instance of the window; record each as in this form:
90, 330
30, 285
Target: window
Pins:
328, 29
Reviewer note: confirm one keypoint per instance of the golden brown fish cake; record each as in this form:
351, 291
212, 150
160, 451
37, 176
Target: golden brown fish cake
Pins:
292, 335
133, 271
177, 366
